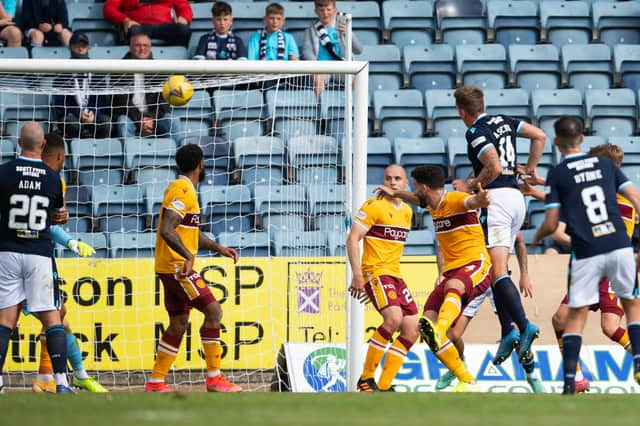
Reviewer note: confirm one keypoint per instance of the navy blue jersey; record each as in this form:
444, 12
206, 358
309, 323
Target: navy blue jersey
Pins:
29, 191
584, 189
500, 132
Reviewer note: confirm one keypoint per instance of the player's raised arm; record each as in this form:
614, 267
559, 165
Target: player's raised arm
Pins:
538, 138
170, 221
479, 200
407, 196
207, 243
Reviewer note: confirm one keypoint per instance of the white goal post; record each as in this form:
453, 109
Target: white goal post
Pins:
354, 147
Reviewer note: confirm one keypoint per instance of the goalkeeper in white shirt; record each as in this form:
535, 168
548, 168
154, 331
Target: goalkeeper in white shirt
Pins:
53, 156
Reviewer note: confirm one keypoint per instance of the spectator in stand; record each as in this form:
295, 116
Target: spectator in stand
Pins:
46, 22
152, 17
221, 43
271, 43
10, 34
325, 40
81, 114
141, 113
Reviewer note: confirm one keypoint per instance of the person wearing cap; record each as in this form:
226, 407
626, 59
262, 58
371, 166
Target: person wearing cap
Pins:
46, 23
81, 114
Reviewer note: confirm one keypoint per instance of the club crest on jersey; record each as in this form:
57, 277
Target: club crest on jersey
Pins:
392, 295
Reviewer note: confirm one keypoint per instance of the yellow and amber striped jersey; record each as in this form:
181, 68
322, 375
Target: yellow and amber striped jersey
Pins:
180, 197
458, 231
388, 227
64, 186
628, 213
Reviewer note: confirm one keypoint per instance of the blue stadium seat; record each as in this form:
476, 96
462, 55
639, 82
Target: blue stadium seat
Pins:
132, 244
149, 152
379, 156
430, 67
247, 244
612, 112
88, 18
632, 172
40, 52
302, 244
193, 127
198, 107
97, 153
332, 111
336, 242
523, 147
511, 102
566, 22
229, 200
482, 65
548, 105
314, 158
97, 240
7, 150
234, 129
153, 195
419, 243
331, 223
528, 235
238, 105
385, 67
297, 14
617, 22
458, 159
326, 199
588, 66
108, 52
218, 158
117, 200
283, 103
24, 107
461, 22
281, 207
150, 175
367, 22
14, 53
631, 147
78, 224
514, 22
78, 200
409, 22
442, 114
400, 112
260, 159
121, 223
536, 66
418, 151
626, 58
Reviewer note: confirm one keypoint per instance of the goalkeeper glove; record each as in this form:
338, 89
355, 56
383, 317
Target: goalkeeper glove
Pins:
80, 248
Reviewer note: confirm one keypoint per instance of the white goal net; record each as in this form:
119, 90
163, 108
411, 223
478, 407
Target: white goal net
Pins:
284, 166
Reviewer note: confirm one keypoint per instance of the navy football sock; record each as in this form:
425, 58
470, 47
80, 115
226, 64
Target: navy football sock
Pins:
506, 322
57, 348
5, 334
634, 336
570, 353
506, 294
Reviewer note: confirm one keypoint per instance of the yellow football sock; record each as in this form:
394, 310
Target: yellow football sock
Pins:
448, 355
449, 311
377, 345
45, 360
623, 340
393, 362
167, 352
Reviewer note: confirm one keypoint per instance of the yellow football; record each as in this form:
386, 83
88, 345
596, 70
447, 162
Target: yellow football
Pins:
177, 90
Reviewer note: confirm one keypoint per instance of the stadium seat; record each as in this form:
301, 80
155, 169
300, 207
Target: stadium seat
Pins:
226, 202
98, 161
108, 52
97, 240
314, 158
233, 129
461, 22
78, 200
297, 14
150, 175
24, 107
153, 195
117, 200
218, 158
612, 112
132, 244
281, 207
283, 103
198, 107
238, 105
367, 22
632, 172
149, 152
260, 159
379, 156
247, 244
7, 150
332, 111
88, 18
588, 66
409, 22
385, 67
482, 65
193, 127
442, 115
300, 244
565, 22
336, 242
458, 159
78, 224
332, 222
617, 22
14, 53
523, 147
121, 223
400, 112
419, 243
535, 66
626, 58
631, 147
514, 22
528, 235
548, 105
418, 151
430, 67
326, 199
511, 102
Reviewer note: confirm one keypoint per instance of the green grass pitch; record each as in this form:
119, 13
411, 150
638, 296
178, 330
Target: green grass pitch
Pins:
124, 408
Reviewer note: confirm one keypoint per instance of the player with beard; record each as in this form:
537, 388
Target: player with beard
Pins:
179, 238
